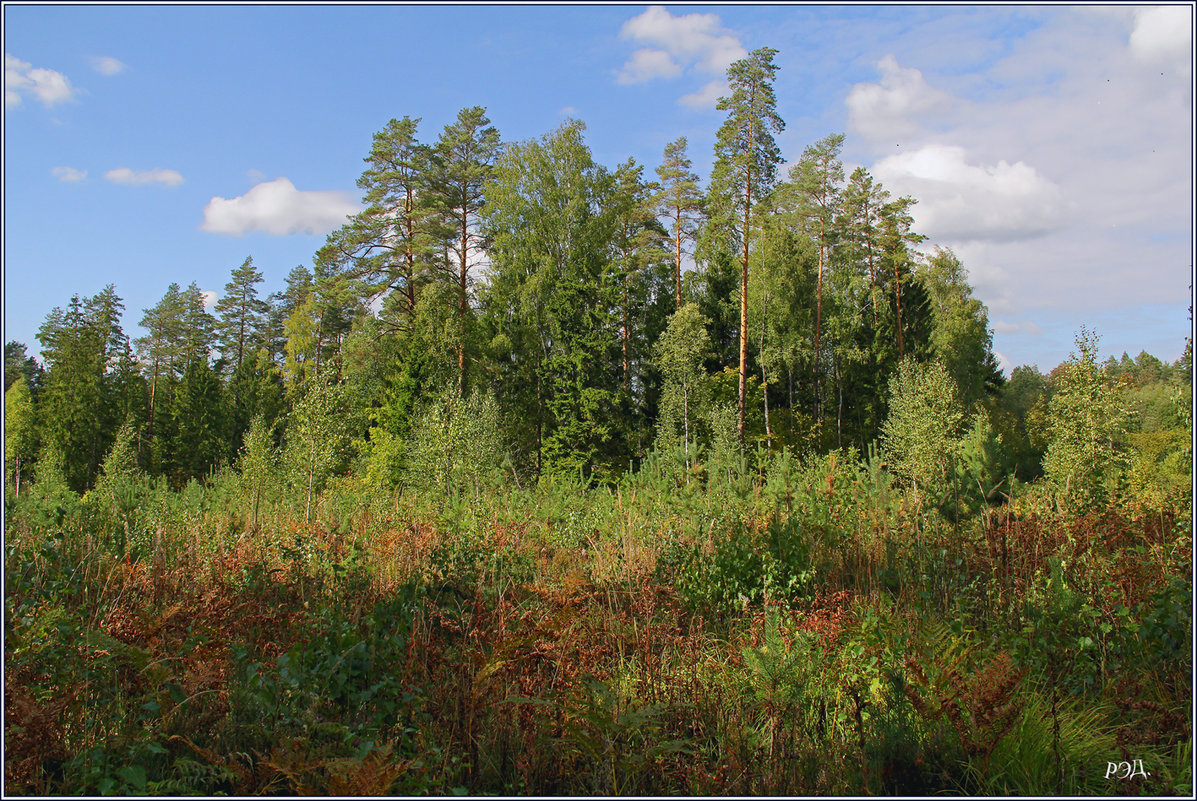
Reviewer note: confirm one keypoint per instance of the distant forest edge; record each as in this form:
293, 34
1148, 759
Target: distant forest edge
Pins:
503, 311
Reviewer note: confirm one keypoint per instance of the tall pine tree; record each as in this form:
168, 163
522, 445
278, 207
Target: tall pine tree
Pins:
746, 159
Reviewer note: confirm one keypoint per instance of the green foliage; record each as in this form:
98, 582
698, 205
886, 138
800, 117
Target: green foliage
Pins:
961, 338
241, 315
316, 441
980, 470
258, 464
680, 353
921, 434
20, 434
1087, 423
741, 568
455, 447
554, 541
200, 442
18, 364
680, 201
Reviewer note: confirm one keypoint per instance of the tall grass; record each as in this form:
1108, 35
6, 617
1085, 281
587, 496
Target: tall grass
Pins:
804, 632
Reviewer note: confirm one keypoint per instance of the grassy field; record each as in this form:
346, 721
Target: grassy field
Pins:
799, 630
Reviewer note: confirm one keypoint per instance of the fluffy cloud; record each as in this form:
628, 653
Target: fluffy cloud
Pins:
1059, 170
68, 174
691, 42
707, 96
107, 65
646, 64
124, 175
277, 207
1164, 33
692, 38
210, 298
959, 201
890, 108
47, 86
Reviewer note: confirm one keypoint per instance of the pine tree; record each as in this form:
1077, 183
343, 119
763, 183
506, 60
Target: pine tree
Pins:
817, 177
679, 201
161, 350
461, 165
746, 159
241, 314
198, 333
390, 247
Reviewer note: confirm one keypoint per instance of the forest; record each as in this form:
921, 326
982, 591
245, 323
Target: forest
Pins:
548, 478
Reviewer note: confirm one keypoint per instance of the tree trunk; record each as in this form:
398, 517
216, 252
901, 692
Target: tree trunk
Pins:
764, 377
839, 412
677, 267
307, 509
686, 423
461, 304
624, 333
818, 320
744, 301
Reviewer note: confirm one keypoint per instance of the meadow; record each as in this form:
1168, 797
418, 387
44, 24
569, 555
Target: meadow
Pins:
784, 627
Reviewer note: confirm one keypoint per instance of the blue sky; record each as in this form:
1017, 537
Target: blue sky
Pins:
1050, 146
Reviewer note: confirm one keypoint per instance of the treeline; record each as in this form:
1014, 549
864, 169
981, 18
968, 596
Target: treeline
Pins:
516, 309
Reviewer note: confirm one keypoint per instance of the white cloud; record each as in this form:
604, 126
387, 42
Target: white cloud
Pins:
890, 108
210, 298
47, 86
691, 43
107, 65
124, 175
68, 174
1163, 33
707, 96
277, 207
1025, 327
1003, 327
646, 64
959, 201
692, 38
